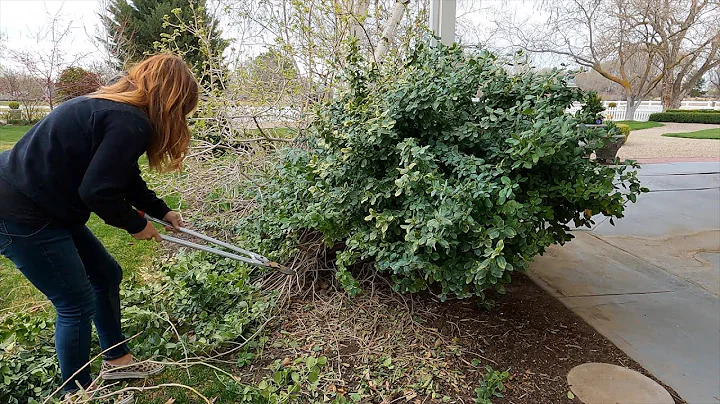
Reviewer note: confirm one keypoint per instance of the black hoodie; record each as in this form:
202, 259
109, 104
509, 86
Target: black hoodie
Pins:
81, 158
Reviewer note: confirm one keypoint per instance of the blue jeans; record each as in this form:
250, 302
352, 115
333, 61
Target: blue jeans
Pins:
81, 279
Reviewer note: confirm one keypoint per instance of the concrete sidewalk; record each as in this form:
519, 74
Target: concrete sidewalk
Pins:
651, 283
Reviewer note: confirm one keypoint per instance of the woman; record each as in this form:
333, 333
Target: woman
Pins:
83, 158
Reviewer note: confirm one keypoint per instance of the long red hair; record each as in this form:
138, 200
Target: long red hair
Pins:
164, 87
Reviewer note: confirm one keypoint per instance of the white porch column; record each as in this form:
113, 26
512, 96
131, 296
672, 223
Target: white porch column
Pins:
442, 19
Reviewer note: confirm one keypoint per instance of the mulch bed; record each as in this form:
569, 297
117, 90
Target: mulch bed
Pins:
439, 349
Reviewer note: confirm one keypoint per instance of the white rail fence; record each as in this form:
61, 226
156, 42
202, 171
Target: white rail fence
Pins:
643, 111
616, 113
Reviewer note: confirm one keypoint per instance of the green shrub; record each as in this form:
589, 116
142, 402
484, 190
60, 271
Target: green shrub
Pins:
492, 386
624, 129
403, 169
13, 105
695, 111
28, 365
697, 117
592, 109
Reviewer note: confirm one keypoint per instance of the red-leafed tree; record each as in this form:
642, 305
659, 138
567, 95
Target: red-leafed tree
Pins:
74, 82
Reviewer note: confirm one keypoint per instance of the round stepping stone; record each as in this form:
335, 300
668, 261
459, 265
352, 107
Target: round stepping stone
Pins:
603, 383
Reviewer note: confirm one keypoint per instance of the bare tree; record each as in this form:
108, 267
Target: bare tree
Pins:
49, 58
10, 82
596, 34
686, 37
23, 88
112, 44
639, 44
714, 77
591, 80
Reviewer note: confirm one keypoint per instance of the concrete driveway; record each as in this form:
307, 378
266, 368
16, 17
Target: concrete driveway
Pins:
651, 283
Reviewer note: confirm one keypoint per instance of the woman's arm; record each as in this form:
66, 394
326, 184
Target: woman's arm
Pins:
142, 198
113, 171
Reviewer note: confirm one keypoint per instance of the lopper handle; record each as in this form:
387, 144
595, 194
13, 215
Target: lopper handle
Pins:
252, 258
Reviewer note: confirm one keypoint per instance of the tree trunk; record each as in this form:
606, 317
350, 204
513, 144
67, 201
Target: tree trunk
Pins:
359, 8
50, 100
389, 32
631, 106
669, 94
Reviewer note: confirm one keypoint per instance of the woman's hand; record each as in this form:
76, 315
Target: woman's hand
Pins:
148, 233
175, 220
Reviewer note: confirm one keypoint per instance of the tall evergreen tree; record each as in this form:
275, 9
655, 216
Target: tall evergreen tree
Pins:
135, 26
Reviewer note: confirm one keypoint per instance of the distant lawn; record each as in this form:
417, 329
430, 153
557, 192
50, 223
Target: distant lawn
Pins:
11, 134
698, 134
637, 125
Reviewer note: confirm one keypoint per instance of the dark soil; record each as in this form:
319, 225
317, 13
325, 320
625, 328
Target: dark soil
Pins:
439, 349
538, 338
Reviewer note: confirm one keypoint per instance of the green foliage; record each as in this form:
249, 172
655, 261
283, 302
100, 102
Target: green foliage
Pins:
592, 109
684, 117
193, 305
137, 26
298, 381
694, 111
302, 375
209, 301
13, 105
699, 134
612, 104
28, 366
271, 74
76, 81
492, 386
624, 130
405, 170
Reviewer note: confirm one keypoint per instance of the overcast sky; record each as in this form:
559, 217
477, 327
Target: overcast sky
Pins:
20, 19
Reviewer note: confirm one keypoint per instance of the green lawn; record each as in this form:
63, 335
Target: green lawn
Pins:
698, 134
11, 134
637, 125
15, 290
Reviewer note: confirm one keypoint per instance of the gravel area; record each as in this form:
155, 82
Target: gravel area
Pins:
649, 144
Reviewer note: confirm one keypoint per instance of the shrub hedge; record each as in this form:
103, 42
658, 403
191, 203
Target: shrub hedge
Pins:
624, 129
695, 111
403, 169
684, 117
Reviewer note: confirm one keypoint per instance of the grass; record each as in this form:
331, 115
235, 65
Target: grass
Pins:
698, 134
11, 134
15, 290
637, 125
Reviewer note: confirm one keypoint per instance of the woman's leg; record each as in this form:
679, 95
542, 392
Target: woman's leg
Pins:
105, 275
49, 259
